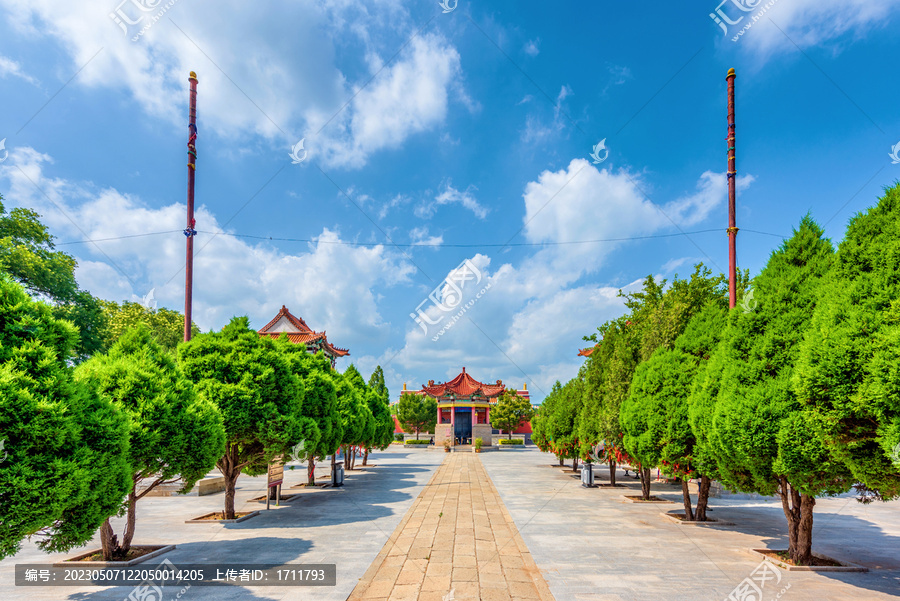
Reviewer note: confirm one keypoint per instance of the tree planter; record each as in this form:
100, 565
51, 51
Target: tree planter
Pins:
213, 518
284, 498
842, 566
678, 518
155, 550
638, 499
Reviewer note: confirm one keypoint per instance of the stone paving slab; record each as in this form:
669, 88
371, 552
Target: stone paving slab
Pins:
456, 542
591, 545
345, 526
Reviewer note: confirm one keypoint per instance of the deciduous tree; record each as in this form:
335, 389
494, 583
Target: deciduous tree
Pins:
417, 413
510, 412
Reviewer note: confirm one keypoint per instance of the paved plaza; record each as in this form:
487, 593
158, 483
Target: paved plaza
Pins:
499, 525
457, 542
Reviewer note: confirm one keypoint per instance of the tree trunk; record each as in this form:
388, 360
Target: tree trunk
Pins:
612, 472
417, 434
311, 472
574, 464
130, 523
561, 462
509, 435
686, 496
108, 541
703, 499
346, 449
798, 509
333, 464
645, 482
365, 457
228, 466
354, 451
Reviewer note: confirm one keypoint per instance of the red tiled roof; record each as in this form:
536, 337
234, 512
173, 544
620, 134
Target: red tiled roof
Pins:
464, 385
305, 334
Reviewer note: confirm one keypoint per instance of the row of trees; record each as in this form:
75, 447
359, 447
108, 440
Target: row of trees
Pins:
793, 392
81, 428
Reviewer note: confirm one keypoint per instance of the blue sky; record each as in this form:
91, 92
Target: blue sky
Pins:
437, 140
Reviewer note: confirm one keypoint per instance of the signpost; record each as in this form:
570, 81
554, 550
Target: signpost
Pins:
276, 477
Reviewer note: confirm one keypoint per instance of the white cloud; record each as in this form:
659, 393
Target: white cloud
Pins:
283, 81
532, 47
408, 97
692, 209
807, 23
531, 320
419, 237
451, 195
535, 128
11, 67
331, 285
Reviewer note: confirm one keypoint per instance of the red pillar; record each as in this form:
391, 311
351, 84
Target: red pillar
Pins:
732, 183
189, 231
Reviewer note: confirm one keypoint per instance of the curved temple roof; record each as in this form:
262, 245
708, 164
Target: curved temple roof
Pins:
297, 331
464, 385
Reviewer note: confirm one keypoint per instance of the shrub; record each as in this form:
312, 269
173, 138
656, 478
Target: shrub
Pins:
418, 441
514, 441
398, 437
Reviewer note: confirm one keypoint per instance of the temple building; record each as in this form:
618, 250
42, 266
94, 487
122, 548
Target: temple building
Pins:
464, 408
298, 332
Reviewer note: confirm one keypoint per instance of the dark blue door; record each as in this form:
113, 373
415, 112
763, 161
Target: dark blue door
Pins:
463, 429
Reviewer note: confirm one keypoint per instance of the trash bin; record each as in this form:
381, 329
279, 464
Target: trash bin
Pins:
587, 475
337, 475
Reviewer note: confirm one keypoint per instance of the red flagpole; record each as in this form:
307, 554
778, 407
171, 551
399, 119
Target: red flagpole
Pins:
189, 231
732, 183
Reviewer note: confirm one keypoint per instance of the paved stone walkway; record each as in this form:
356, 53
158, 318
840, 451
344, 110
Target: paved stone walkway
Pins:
456, 542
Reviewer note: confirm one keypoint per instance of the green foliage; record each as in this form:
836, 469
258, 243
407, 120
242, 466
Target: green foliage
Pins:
28, 256
376, 383
756, 419
172, 431
417, 413
511, 411
699, 341
356, 417
65, 467
261, 400
416, 441
478, 442
565, 403
166, 326
654, 416
512, 441
849, 370
320, 396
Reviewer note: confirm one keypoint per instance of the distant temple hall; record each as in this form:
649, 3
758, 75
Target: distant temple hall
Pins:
464, 408
298, 332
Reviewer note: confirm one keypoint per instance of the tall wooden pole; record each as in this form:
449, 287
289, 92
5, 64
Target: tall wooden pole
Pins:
189, 231
732, 183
